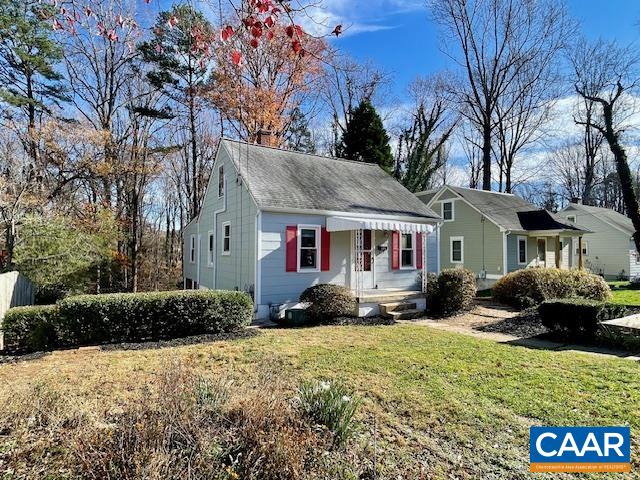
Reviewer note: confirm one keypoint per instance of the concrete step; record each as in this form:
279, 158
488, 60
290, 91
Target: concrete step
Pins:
405, 314
396, 306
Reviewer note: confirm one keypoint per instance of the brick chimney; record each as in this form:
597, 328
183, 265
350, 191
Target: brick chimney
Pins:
576, 200
264, 137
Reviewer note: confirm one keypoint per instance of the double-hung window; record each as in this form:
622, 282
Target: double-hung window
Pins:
407, 250
585, 248
447, 211
522, 250
456, 248
220, 181
210, 251
192, 249
226, 238
309, 248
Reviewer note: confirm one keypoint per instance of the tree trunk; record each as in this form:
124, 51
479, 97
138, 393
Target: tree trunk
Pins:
486, 156
624, 173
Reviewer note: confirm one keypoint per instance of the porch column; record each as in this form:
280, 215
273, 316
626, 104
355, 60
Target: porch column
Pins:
558, 253
424, 262
580, 259
359, 261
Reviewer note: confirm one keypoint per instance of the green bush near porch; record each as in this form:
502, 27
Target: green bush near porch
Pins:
328, 302
126, 317
451, 292
531, 286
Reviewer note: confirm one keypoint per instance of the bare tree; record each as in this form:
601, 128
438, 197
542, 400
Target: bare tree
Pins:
607, 74
500, 45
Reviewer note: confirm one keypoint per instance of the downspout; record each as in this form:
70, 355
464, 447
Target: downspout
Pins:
258, 264
504, 251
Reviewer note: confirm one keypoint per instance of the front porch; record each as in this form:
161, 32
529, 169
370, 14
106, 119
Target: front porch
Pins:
394, 303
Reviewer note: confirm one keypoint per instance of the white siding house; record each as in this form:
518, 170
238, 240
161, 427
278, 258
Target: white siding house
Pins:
275, 222
609, 250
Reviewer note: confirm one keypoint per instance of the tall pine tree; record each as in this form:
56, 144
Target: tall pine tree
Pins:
366, 139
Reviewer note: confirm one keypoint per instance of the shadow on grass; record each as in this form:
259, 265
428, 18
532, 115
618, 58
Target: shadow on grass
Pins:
143, 345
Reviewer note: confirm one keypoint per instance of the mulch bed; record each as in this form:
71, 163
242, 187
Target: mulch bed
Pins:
526, 324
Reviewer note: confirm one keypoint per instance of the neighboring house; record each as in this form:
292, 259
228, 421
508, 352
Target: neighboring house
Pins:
609, 250
274, 222
495, 233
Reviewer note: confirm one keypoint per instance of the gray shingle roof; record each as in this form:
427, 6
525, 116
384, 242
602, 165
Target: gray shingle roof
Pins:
285, 179
611, 216
512, 212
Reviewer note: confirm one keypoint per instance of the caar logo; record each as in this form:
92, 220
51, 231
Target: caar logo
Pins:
580, 449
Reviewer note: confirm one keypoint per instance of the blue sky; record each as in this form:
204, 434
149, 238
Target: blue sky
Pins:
399, 36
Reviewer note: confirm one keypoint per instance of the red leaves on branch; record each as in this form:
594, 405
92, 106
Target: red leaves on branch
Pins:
236, 57
226, 33
172, 22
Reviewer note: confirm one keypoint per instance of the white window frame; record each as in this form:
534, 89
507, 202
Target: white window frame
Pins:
317, 229
222, 191
526, 250
538, 261
192, 249
453, 210
224, 237
413, 250
585, 247
456, 239
211, 248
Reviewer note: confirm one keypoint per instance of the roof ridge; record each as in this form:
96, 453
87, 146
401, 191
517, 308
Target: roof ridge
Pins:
323, 157
483, 191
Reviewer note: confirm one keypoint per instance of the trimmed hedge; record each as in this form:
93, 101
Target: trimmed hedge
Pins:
128, 317
577, 316
30, 328
531, 286
453, 291
328, 302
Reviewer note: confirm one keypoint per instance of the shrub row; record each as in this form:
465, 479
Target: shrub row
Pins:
577, 316
451, 292
532, 286
125, 317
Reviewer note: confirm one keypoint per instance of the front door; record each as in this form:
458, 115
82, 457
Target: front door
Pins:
365, 270
542, 252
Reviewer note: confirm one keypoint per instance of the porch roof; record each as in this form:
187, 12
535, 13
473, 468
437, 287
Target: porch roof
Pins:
340, 223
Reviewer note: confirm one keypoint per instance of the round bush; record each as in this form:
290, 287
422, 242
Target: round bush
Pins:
532, 286
454, 291
328, 302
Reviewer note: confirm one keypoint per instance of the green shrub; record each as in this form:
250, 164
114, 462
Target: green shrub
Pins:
328, 302
129, 317
30, 328
453, 291
532, 286
331, 405
577, 316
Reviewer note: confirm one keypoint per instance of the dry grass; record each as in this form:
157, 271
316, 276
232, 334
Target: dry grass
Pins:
434, 405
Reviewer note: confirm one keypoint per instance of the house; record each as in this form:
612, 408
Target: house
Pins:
274, 222
609, 250
494, 233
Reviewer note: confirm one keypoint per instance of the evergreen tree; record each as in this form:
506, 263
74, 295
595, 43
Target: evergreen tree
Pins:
28, 56
299, 136
365, 138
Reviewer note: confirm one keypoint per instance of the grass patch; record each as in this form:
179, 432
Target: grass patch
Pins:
623, 295
435, 404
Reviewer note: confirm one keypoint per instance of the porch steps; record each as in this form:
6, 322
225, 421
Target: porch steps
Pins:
400, 310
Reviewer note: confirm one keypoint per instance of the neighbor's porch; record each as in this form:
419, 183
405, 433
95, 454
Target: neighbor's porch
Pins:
559, 249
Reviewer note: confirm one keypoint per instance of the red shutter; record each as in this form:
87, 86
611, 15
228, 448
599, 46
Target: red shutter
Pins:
395, 250
419, 252
292, 248
325, 250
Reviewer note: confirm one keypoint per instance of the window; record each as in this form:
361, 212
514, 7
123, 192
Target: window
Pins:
585, 248
522, 250
447, 211
456, 249
226, 238
188, 284
308, 248
192, 249
210, 251
571, 219
406, 250
220, 181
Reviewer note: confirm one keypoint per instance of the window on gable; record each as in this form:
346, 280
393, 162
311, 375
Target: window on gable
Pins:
447, 211
571, 219
221, 181
226, 238
192, 249
308, 248
210, 251
406, 250
522, 250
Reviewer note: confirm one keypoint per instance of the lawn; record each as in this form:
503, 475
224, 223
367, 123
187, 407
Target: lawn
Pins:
446, 405
621, 293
